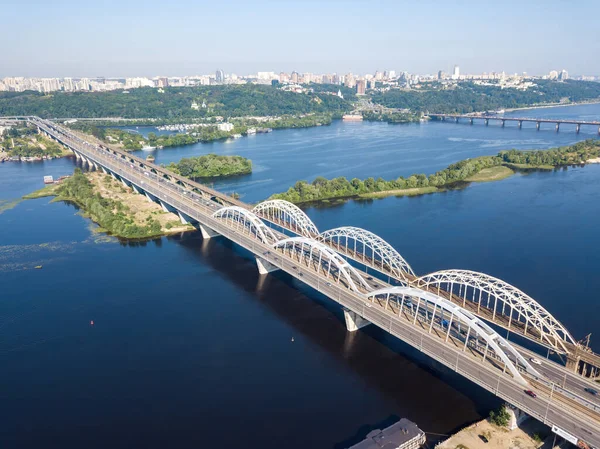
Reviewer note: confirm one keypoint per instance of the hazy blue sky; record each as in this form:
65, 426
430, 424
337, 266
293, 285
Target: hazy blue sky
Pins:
169, 37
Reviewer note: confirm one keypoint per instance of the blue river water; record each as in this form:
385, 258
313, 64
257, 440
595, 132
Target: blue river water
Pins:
189, 347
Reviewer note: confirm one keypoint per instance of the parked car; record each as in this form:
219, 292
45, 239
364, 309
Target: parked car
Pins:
591, 391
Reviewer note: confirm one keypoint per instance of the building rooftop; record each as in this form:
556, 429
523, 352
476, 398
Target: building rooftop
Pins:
392, 437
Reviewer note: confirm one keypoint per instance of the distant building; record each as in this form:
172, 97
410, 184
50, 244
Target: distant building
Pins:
553, 75
441, 75
361, 87
339, 94
225, 127
294, 77
563, 75
219, 76
162, 82
391, 74
456, 73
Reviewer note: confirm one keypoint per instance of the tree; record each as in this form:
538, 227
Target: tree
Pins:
500, 418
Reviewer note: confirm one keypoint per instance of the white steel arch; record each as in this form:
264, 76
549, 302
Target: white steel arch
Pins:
370, 247
501, 347
325, 257
283, 212
485, 289
241, 217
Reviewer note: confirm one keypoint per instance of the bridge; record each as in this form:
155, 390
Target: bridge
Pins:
538, 121
453, 316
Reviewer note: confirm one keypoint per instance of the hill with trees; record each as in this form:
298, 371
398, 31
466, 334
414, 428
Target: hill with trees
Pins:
172, 103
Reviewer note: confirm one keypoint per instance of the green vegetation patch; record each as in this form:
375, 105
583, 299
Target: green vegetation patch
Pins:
211, 166
49, 190
491, 174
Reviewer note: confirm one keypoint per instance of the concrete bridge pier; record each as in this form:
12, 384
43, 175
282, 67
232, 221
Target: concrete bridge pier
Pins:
520, 124
206, 232
503, 123
104, 170
164, 206
487, 121
354, 321
456, 119
557, 127
577, 128
135, 188
517, 416
183, 218
470, 121
537, 125
265, 267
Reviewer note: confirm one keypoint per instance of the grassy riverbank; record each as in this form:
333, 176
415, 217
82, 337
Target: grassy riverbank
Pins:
491, 174
118, 210
480, 169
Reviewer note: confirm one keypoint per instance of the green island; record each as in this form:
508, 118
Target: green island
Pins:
118, 210
211, 165
24, 143
480, 169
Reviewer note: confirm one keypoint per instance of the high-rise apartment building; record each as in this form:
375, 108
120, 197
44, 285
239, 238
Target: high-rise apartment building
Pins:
219, 76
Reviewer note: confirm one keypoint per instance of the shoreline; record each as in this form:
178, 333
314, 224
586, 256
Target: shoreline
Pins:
554, 105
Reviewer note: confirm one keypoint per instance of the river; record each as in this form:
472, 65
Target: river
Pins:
189, 347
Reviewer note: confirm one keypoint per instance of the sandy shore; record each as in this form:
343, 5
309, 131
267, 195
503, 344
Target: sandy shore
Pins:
498, 438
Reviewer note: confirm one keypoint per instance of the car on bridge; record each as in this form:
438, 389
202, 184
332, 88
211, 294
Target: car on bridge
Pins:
530, 393
591, 391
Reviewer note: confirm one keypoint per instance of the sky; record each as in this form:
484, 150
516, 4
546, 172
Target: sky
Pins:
43, 38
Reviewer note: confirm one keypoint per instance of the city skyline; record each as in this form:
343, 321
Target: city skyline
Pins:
189, 38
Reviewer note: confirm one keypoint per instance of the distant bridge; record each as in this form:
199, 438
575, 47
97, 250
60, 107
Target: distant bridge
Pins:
444, 315
538, 121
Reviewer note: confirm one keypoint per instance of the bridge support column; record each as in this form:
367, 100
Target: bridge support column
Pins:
150, 198
557, 127
520, 124
470, 121
265, 267
183, 218
206, 232
78, 156
456, 119
135, 188
115, 176
124, 182
537, 126
517, 416
354, 321
164, 206
572, 363
503, 123
104, 170
577, 128
487, 121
